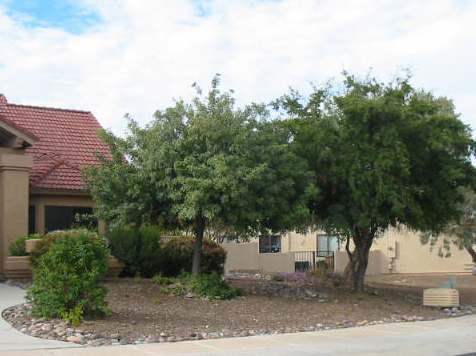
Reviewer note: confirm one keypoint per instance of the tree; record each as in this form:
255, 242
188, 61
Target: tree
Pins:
382, 155
204, 165
460, 232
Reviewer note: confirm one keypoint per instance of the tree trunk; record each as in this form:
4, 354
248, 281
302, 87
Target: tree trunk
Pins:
359, 258
472, 252
197, 246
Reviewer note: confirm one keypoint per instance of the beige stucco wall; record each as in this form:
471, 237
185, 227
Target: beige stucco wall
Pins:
14, 190
293, 241
276, 262
241, 256
413, 257
378, 262
40, 200
400, 251
246, 257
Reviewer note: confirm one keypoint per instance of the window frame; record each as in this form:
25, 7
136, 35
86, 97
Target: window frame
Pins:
265, 244
49, 209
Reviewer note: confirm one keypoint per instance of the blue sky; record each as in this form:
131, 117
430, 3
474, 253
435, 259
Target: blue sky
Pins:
70, 15
114, 57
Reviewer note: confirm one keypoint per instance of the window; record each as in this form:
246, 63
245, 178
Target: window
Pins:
67, 217
270, 244
31, 220
327, 245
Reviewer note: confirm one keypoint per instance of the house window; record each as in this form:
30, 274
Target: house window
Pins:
270, 244
67, 217
327, 245
31, 219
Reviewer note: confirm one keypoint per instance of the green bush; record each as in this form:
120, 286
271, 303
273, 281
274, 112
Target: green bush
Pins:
205, 285
162, 281
177, 253
18, 248
47, 240
67, 277
138, 248
213, 286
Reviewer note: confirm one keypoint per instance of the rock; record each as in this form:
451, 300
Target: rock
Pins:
150, 339
189, 295
46, 327
74, 338
309, 293
362, 323
162, 334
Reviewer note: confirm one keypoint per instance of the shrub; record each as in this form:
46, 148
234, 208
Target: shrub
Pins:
212, 286
47, 240
138, 248
67, 276
18, 248
162, 281
177, 253
205, 285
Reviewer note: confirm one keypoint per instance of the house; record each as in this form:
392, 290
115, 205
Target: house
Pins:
42, 151
396, 251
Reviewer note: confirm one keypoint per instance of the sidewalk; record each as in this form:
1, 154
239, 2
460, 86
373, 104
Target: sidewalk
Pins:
441, 337
12, 339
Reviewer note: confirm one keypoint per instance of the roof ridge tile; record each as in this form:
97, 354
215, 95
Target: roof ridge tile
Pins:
50, 108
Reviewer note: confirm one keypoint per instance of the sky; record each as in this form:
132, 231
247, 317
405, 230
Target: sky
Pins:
114, 57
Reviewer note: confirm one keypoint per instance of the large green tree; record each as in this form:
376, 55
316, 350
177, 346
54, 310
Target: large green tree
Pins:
382, 154
204, 165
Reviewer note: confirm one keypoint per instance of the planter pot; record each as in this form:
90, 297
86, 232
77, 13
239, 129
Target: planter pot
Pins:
31, 244
441, 297
17, 267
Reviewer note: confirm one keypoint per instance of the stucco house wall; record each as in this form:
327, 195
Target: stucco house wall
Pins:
293, 242
14, 178
246, 257
407, 255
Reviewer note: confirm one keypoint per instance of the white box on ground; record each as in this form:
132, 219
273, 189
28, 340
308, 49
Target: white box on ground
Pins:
441, 297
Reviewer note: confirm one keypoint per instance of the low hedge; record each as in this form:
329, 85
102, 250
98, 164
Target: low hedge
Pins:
138, 248
145, 253
177, 255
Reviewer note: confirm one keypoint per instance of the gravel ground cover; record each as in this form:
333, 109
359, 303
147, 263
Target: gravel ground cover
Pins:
141, 313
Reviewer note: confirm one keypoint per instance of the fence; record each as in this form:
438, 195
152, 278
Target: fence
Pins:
309, 260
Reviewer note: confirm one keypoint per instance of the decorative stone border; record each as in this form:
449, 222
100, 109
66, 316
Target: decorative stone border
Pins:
60, 330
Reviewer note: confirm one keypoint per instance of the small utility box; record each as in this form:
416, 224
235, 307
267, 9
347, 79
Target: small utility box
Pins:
441, 297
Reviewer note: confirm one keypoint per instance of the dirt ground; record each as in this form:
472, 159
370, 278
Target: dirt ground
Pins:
465, 283
140, 303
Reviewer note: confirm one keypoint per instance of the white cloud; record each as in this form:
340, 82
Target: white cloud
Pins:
145, 53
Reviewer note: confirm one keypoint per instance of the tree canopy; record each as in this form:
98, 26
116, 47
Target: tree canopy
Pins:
382, 154
352, 158
203, 165
460, 232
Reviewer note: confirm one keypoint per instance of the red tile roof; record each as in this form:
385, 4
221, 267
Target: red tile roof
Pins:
67, 141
